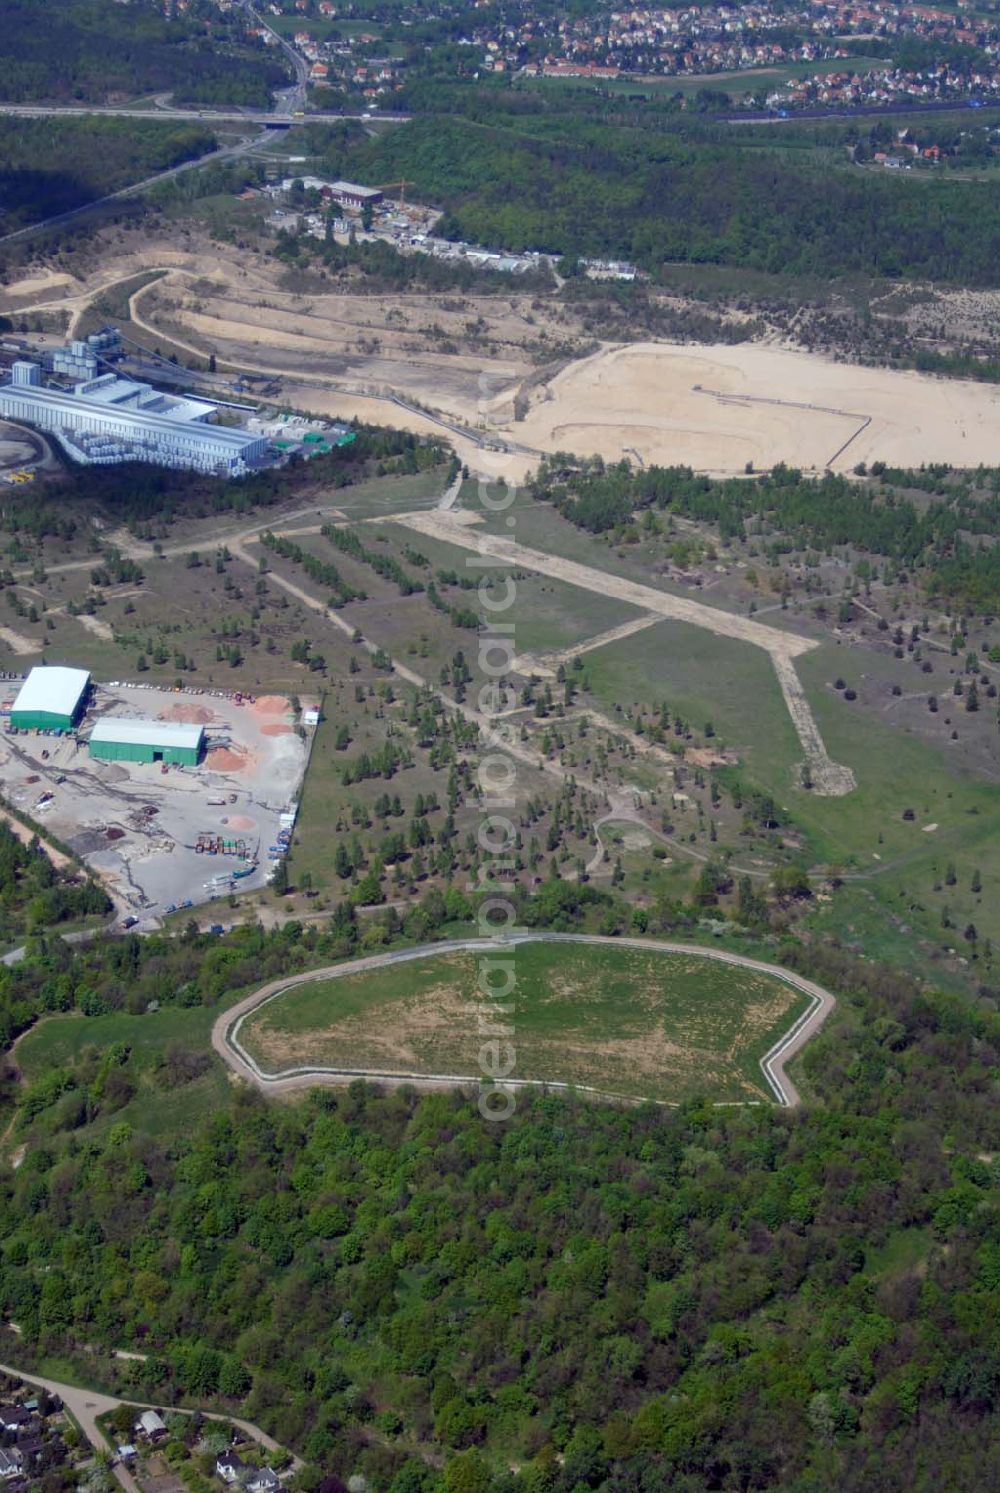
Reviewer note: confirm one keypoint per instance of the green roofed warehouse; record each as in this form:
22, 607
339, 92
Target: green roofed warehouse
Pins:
116, 740
50, 699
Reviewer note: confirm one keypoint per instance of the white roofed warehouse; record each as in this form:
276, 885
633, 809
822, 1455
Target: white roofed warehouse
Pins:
108, 420
115, 739
50, 699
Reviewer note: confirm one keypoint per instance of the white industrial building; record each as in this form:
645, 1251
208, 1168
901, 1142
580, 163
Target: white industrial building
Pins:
108, 420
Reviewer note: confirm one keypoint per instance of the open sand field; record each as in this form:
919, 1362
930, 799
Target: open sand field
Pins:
42, 283
717, 408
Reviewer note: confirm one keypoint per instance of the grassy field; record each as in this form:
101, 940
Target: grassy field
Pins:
181, 607
626, 1021
549, 614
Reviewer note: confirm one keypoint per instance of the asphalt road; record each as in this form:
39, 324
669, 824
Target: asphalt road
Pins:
262, 117
291, 99
225, 153
225, 1032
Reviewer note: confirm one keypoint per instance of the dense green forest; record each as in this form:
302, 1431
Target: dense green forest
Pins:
48, 166
97, 50
514, 171
34, 895
948, 540
616, 1300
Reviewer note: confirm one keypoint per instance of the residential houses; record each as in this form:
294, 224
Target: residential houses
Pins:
689, 40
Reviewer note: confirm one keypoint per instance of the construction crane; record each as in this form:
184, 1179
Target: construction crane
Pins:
402, 185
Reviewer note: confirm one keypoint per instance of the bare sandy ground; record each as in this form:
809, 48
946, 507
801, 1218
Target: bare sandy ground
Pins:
717, 408
17, 642
511, 466
38, 284
830, 779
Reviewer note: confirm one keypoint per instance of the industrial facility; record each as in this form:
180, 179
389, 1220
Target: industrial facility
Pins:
115, 739
346, 193
106, 420
50, 699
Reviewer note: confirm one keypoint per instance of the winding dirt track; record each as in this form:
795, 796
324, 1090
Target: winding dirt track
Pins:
226, 1030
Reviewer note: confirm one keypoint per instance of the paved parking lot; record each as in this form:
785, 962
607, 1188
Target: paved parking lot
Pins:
137, 825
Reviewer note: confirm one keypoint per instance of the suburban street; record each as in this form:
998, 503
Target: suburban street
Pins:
86, 1405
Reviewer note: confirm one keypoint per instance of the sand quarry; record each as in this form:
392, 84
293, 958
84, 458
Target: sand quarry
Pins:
715, 408
718, 408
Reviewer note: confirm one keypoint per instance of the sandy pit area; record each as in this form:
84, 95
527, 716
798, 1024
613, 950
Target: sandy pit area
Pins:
240, 822
718, 408
224, 759
97, 626
270, 705
513, 467
188, 715
17, 642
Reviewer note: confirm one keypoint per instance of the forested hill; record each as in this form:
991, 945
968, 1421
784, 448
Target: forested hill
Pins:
96, 50
626, 1301
572, 185
49, 166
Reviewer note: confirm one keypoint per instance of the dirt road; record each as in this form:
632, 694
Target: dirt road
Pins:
226, 1030
830, 779
548, 663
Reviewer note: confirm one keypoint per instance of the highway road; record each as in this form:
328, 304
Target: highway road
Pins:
292, 100
226, 1030
225, 153
260, 117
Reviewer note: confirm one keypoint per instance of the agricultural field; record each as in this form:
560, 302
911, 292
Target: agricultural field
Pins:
663, 1026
